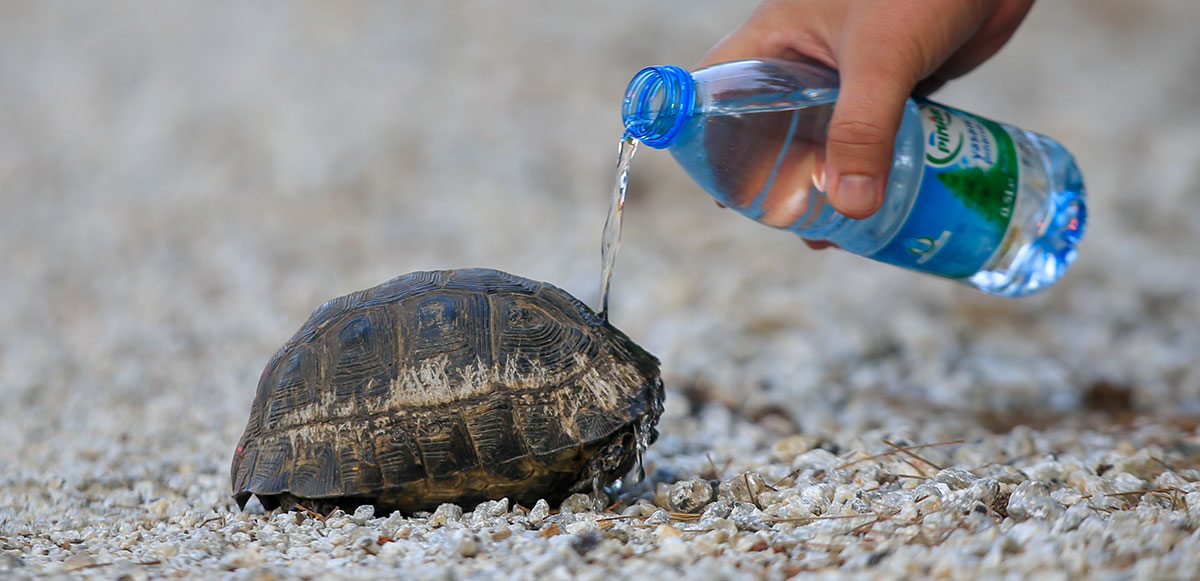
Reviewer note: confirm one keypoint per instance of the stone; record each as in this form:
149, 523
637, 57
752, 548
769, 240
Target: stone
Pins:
1032, 500
393, 524
747, 517
662, 495
582, 526
786, 449
659, 517
818, 496
666, 531
1070, 519
242, 558
495, 508
446, 513
468, 546
751, 542
367, 543
744, 487
362, 514
718, 509
955, 478
639, 509
577, 503
539, 512
690, 495
1003, 474
977, 497
674, 550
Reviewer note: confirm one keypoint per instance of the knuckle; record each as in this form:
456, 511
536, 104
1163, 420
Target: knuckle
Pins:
857, 134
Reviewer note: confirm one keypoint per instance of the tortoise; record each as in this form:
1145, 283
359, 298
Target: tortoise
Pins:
447, 386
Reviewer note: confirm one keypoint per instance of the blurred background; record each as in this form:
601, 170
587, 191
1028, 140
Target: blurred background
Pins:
182, 183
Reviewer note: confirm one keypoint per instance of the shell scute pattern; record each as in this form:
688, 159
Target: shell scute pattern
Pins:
447, 386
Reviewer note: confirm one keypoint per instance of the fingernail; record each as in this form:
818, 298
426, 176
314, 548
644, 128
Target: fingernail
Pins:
857, 194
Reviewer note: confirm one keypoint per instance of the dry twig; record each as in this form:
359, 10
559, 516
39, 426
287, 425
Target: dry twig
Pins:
896, 450
908, 452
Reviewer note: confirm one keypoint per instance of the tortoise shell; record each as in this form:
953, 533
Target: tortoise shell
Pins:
447, 386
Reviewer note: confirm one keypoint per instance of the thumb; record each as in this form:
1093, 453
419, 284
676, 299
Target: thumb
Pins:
870, 106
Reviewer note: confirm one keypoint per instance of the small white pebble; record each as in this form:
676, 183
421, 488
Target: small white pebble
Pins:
539, 512
468, 546
674, 550
362, 514
445, 513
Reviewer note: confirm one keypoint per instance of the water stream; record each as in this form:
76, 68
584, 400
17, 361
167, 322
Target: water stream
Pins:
611, 239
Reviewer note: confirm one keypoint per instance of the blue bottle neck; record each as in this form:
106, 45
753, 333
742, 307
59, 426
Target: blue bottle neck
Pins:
657, 103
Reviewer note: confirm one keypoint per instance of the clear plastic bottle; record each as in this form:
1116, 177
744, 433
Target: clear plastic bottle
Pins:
983, 203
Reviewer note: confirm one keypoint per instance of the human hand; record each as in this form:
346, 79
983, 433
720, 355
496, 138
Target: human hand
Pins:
883, 51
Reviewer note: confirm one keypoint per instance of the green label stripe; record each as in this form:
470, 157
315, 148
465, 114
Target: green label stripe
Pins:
964, 204
989, 192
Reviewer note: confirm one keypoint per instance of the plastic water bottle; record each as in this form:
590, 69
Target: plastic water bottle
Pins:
984, 203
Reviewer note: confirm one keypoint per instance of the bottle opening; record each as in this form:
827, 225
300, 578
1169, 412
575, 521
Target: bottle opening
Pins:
657, 102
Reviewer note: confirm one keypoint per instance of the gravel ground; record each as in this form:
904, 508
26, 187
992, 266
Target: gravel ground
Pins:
182, 183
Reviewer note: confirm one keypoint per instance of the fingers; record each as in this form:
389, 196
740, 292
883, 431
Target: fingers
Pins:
992, 34
875, 84
778, 29
882, 53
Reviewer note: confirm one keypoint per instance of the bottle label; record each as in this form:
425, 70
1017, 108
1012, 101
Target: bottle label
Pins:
965, 199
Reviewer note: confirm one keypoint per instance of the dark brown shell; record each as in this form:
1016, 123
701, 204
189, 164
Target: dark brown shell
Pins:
447, 386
